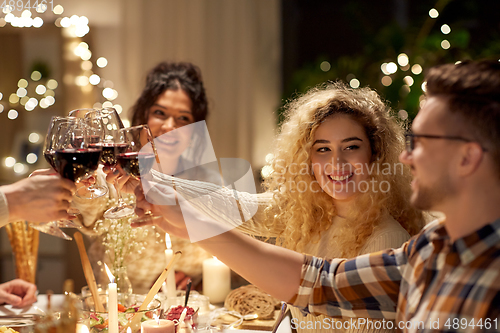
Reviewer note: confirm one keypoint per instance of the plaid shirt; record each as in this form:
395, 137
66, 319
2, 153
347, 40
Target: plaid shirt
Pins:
429, 284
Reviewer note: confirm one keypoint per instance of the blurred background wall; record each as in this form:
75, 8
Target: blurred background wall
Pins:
254, 55
235, 43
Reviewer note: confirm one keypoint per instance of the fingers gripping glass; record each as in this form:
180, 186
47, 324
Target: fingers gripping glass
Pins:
410, 139
56, 125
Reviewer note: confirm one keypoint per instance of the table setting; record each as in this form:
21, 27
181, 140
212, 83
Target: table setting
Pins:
75, 146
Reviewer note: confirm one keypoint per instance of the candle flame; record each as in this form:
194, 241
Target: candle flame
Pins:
129, 330
82, 329
156, 318
168, 242
215, 258
110, 275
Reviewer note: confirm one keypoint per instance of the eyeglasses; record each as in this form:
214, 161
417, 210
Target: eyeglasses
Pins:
410, 139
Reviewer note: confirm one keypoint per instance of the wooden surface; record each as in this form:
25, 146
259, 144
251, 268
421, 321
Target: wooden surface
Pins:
255, 324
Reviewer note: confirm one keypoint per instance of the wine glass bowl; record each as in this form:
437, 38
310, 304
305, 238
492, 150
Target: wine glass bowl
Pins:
139, 157
74, 159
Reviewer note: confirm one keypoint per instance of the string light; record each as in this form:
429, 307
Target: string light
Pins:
354, 83
445, 44
58, 10
325, 66
9, 161
36, 75
433, 13
102, 62
12, 114
445, 29
408, 80
34, 137
31, 158
403, 60
74, 26
416, 69
386, 81
20, 168
392, 68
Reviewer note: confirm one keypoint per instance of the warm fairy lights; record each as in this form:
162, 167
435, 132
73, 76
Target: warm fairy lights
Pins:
37, 91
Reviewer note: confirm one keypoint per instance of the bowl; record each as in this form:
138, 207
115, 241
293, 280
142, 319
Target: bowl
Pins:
128, 305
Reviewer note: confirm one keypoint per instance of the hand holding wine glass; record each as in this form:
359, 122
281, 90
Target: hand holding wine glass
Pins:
139, 157
74, 159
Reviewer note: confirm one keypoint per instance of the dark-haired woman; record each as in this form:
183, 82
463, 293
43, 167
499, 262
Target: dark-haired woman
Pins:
174, 96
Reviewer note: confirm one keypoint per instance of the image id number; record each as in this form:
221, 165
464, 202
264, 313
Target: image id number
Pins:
40, 6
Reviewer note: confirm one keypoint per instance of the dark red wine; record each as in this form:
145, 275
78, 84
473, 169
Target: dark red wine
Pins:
75, 164
50, 158
108, 157
78, 141
130, 163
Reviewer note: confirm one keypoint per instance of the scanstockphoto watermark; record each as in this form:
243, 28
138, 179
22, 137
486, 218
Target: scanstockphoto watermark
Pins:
369, 324
286, 174
362, 186
450, 324
370, 169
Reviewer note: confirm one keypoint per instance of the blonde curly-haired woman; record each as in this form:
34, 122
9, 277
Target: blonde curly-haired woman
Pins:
336, 188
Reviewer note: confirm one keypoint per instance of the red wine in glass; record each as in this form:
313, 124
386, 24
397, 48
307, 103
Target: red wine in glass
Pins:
129, 162
75, 164
108, 156
50, 158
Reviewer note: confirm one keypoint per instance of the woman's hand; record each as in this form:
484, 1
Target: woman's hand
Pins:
172, 220
82, 183
18, 293
120, 179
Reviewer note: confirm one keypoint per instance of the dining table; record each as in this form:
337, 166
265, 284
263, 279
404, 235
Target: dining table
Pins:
22, 319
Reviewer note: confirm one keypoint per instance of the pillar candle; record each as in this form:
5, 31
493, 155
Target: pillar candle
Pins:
112, 303
171, 289
216, 280
160, 326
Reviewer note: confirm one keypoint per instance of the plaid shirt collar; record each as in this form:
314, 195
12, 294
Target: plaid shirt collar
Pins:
474, 245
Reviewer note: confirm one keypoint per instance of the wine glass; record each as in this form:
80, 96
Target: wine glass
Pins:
49, 148
108, 123
74, 158
136, 160
94, 137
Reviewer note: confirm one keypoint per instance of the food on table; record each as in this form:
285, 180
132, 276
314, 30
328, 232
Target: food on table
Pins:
174, 314
251, 300
5, 329
98, 323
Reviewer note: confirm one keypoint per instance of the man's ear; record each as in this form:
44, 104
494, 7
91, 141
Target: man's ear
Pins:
472, 155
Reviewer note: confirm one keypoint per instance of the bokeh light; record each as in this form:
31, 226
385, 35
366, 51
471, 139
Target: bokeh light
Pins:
31, 158
433, 13
325, 66
416, 69
445, 29
102, 62
445, 44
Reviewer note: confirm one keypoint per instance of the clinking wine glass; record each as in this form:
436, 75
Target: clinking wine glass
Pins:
95, 133
49, 148
137, 159
74, 158
112, 144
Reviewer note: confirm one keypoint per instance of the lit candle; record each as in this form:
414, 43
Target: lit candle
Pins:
158, 326
171, 289
216, 280
80, 328
112, 303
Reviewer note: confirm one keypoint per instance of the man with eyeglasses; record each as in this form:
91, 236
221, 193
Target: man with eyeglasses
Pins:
445, 279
